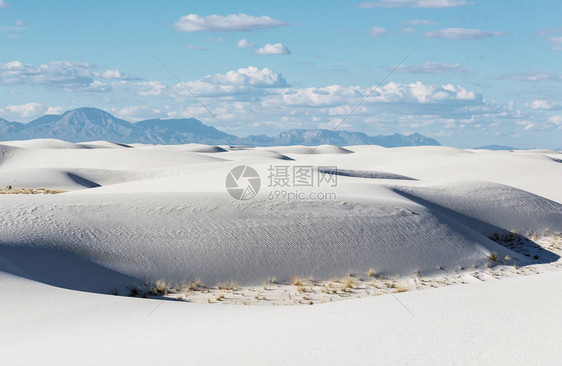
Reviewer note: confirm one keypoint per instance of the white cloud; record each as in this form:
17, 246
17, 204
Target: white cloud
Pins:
432, 68
115, 75
273, 49
27, 111
552, 123
54, 73
556, 43
377, 31
75, 76
556, 120
229, 23
540, 104
249, 76
196, 48
55, 110
254, 96
533, 76
414, 3
20, 23
137, 113
146, 88
461, 33
244, 81
244, 43
3, 4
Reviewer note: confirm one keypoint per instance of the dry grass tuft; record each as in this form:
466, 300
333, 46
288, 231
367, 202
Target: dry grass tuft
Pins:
301, 289
194, 285
296, 281
160, 288
230, 286
9, 190
348, 286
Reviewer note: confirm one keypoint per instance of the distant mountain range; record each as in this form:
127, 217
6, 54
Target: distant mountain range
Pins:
89, 124
496, 147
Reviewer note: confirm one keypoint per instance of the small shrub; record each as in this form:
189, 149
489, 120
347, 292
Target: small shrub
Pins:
192, 286
160, 288
230, 286
296, 281
372, 273
348, 286
301, 289
493, 256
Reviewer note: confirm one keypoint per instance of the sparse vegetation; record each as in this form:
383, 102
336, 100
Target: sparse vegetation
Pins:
160, 288
194, 285
493, 256
296, 281
348, 286
9, 190
230, 286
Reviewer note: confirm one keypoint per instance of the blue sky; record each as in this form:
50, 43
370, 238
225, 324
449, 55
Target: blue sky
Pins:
483, 72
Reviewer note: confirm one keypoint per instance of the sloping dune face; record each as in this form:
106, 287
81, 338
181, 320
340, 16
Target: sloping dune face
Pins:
145, 212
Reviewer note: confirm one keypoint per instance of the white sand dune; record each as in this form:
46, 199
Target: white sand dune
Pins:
489, 323
299, 149
163, 213
149, 212
104, 145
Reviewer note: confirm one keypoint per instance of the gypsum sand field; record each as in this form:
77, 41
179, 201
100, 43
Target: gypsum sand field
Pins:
155, 221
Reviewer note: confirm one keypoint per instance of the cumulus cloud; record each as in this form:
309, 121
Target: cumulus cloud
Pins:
273, 49
27, 111
115, 75
244, 43
540, 104
228, 23
414, 4
377, 31
556, 120
461, 33
145, 88
54, 73
432, 68
254, 96
74, 76
244, 81
62, 74
533, 76
136, 113
551, 123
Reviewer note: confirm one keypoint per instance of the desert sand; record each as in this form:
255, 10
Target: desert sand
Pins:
416, 255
